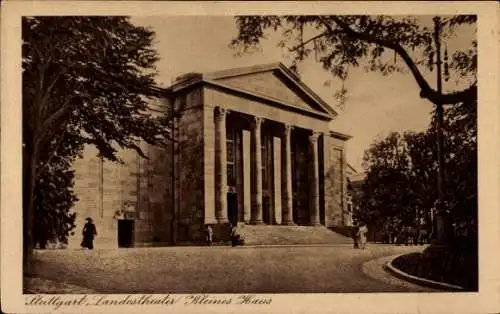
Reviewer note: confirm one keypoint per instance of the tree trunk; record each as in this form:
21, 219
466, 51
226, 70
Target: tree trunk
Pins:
30, 158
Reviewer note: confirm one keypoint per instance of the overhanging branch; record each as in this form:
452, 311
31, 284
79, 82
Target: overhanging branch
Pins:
426, 91
47, 124
303, 44
58, 142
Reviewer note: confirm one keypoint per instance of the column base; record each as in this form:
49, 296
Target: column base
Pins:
257, 222
223, 221
315, 224
288, 223
211, 221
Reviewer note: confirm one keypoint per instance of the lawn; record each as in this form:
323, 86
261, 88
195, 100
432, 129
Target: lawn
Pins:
452, 266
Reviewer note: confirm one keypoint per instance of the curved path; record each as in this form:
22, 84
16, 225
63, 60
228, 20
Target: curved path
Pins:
226, 270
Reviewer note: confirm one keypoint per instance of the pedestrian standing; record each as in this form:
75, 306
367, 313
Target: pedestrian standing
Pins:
209, 235
362, 231
89, 232
235, 236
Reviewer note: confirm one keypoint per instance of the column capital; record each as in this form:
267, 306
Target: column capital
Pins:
287, 128
314, 136
258, 121
221, 112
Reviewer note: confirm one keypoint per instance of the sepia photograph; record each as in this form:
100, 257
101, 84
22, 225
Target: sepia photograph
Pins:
252, 155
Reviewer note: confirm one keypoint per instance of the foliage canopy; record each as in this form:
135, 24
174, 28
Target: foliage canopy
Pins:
341, 42
87, 80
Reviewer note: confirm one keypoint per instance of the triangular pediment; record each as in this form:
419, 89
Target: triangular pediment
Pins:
273, 83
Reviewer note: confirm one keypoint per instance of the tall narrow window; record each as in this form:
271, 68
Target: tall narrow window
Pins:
231, 157
265, 165
339, 164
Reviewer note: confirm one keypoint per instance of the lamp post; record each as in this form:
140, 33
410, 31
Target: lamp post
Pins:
442, 214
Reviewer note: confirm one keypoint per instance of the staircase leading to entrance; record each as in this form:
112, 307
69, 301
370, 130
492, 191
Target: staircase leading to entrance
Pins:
290, 235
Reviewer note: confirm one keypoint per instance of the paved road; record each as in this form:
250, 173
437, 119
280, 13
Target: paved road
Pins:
225, 269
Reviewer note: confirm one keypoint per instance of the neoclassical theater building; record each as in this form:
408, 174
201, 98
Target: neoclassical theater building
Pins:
253, 146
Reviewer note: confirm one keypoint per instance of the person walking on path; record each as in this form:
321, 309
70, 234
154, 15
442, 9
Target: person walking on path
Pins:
209, 235
89, 232
235, 236
362, 231
355, 229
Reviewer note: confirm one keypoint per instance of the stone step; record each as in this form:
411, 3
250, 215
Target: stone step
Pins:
290, 235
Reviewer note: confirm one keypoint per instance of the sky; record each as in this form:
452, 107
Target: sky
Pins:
376, 104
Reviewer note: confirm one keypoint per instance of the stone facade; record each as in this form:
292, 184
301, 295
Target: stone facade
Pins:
335, 179
252, 146
189, 166
140, 187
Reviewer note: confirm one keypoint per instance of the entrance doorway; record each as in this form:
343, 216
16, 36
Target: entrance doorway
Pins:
232, 207
266, 210
295, 211
126, 233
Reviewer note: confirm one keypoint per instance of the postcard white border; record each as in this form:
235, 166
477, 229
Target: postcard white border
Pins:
486, 301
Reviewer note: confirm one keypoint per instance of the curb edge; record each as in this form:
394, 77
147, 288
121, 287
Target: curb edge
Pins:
419, 280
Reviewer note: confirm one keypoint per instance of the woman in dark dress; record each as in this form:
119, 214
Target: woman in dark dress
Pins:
355, 229
89, 231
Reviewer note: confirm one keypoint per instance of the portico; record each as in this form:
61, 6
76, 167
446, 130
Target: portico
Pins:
254, 180
253, 146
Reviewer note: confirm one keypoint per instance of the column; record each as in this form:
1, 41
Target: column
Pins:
247, 174
220, 166
256, 217
314, 180
287, 176
277, 184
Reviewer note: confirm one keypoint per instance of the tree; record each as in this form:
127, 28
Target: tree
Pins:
54, 200
387, 190
401, 171
86, 81
54, 196
460, 130
423, 171
340, 42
